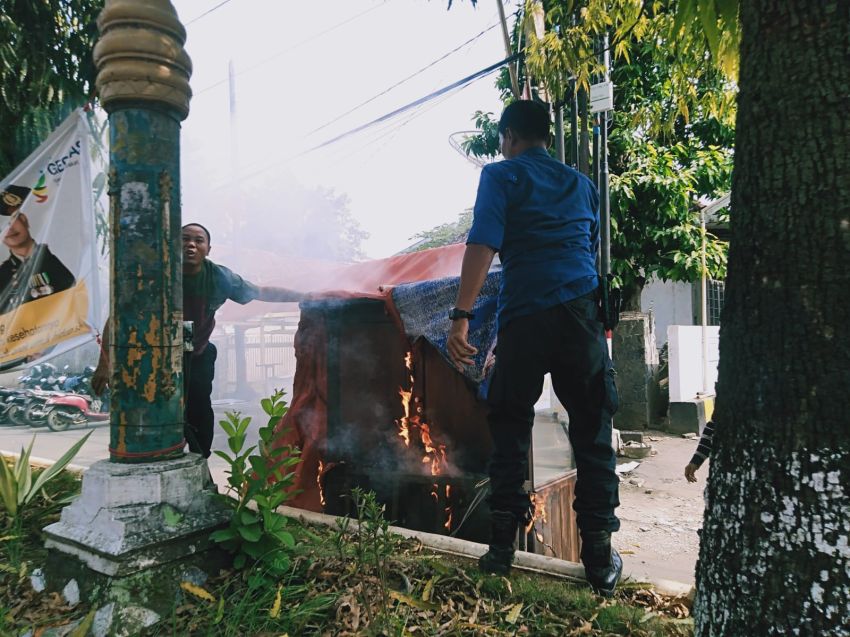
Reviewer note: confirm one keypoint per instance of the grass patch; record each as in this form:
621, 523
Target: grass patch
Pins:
345, 582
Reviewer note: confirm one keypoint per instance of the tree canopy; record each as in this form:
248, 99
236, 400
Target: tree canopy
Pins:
670, 135
46, 69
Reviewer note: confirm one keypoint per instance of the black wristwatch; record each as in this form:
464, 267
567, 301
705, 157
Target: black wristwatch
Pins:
456, 314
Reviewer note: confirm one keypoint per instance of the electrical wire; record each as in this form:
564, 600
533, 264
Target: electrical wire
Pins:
459, 84
298, 44
400, 82
205, 13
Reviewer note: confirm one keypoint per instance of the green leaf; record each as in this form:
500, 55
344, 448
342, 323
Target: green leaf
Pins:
248, 517
54, 470
267, 405
223, 535
286, 538
708, 19
251, 533
228, 428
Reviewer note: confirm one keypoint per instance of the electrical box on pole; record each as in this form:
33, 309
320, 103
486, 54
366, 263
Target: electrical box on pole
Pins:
602, 97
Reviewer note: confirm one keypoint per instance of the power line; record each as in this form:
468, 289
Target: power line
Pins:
205, 13
459, 84
298, 44
422, 100
400, 82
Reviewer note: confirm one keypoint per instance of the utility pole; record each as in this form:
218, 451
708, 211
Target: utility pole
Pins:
508, 50
602, 101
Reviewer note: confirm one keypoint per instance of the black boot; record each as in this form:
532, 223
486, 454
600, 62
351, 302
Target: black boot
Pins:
602, 563
501, 554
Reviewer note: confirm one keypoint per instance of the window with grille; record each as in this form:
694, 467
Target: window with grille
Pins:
716, 292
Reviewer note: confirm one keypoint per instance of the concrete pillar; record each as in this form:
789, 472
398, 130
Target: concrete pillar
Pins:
143, 83
143, 520
636, 361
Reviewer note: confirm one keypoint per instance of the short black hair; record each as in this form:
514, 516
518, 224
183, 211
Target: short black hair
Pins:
206, 232
526, 118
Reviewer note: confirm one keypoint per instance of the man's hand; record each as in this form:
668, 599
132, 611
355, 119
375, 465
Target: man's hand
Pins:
690, 472
100, 378
460, 351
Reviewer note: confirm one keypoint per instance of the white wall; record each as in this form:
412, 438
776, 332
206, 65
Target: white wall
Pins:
685, 360
670, 303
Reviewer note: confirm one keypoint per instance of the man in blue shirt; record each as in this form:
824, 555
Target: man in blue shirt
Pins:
541, 216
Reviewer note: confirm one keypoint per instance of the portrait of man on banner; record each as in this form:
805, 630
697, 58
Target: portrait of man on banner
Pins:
49, 289
31, 271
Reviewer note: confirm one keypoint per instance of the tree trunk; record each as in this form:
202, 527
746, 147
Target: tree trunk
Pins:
632, 296
775, 550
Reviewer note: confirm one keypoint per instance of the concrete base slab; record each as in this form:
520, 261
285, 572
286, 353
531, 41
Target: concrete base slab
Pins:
690, 416
135, 533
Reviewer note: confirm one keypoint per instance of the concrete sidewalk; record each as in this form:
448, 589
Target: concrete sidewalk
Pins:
661, 513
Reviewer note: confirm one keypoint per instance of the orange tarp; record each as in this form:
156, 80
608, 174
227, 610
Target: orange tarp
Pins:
321, 279
305, 425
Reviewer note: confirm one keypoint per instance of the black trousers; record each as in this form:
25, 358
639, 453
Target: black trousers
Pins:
198, 428
567, 341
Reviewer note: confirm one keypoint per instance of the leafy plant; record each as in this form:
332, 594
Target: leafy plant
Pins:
19, 487
259, 481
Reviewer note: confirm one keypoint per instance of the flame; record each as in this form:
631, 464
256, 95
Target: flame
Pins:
404, 422
434, 493
435, 454
539, 512
448, 491
448, 524
319, 482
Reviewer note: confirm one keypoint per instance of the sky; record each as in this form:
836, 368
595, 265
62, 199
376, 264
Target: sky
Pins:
300, 65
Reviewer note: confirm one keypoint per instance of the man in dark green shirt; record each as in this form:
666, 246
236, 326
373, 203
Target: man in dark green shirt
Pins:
206, 287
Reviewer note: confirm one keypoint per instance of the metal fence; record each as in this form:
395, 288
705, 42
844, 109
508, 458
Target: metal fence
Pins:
256, 356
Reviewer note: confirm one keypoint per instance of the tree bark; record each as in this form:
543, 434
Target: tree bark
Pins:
775, 549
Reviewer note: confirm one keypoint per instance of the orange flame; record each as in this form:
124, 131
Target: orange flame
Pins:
434, 492
448, 524
319, 482
435, 455
539, 512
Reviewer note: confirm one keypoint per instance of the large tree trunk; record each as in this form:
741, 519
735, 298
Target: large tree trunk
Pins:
775, 552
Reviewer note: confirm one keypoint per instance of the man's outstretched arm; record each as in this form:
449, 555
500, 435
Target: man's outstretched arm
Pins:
278, 295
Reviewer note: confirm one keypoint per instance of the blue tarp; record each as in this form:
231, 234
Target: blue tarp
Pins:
424, 308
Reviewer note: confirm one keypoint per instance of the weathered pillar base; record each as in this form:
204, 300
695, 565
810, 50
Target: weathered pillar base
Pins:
690, 416
135, 533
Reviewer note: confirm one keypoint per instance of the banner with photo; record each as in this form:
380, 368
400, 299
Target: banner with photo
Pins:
49, 289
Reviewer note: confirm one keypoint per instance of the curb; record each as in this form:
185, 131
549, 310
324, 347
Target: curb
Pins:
532, 562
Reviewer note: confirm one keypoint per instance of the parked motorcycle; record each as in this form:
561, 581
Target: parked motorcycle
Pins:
35, 407
74, 409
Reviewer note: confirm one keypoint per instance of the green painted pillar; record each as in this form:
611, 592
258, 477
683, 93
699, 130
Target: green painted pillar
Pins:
143, 83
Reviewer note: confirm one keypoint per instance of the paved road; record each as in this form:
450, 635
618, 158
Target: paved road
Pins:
661, 513
50, 445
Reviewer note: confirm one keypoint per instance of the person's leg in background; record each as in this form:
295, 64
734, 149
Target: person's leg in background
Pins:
199, 412
514, 389
583, 380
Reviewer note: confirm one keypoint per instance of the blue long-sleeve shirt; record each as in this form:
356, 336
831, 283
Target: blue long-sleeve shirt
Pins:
543, 219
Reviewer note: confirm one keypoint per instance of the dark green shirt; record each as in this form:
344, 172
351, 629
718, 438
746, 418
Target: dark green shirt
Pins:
205, 292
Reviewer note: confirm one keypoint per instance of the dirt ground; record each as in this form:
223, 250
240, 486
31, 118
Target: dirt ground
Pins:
661, 512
